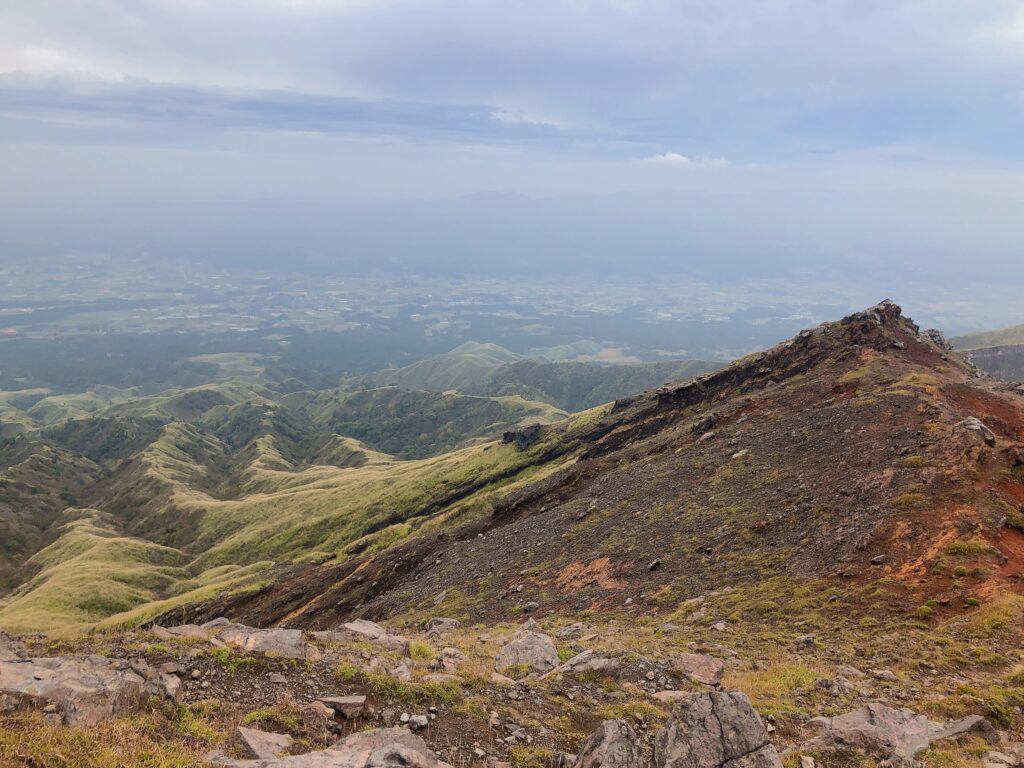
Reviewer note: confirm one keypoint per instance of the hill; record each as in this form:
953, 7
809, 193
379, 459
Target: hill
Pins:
579, 386
834, 526
204, 472
491, 370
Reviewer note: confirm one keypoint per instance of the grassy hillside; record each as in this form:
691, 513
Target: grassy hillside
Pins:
1003, 336
465, 367
491, 370
578, 386
415, 424
166, 498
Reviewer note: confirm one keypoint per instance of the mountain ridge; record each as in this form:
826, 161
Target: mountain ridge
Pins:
771, 429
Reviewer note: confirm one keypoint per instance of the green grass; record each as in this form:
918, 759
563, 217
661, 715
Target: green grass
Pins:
28, 740
231, 661
974, 547
87, 574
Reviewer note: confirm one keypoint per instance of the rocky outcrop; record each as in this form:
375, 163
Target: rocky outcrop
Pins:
613, 745
361, 629
975, 428
897, 735
719, 729
378, 748
528, 649
77, 690
284, 643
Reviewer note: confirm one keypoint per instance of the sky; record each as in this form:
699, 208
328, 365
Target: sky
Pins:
880, 106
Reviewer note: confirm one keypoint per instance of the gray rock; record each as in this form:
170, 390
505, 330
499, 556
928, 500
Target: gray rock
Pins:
587, 661
530, 649
367, 630
439, 624
612, 745
718, 729
897, 735
188, 631
572, 632
700, 667
263, 745
84, 689
361, 629
402, 673
11, 649
378, 748
349, 707
805, 641
286, 643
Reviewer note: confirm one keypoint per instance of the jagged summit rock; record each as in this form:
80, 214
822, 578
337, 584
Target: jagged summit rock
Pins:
719, 729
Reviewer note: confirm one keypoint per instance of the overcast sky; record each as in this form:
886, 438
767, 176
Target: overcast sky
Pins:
877, 141
388, 98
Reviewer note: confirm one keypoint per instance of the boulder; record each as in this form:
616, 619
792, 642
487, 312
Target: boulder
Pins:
364, 630
285, 643
84, 689
975, 428
402, 673
612, 745
700, 667
451, 658
718, 729
263, 745
588, 661
572, 631
187, 631
896, 735
349, 707
378, 748
530, 649
440, 624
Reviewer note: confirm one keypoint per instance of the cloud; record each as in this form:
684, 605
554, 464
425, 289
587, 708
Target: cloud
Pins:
673, 159
64, 100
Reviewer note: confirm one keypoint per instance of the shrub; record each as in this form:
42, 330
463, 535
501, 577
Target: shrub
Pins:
420, 651
231, 661
346, 672
974, 547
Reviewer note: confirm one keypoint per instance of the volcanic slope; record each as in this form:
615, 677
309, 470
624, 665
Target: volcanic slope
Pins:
835, 461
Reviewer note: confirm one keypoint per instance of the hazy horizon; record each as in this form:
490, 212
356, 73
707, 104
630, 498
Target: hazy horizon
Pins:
871, 147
